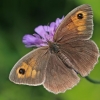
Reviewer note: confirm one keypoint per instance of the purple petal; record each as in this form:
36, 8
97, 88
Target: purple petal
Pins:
52, 24
46, 28
40, 30
30, 40
52, 28
58, 21
42, 35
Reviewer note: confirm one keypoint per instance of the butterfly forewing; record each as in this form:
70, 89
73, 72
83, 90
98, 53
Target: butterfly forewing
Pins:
77, 25
31, 68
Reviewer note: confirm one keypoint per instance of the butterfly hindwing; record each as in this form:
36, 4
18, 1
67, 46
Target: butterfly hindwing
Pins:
59, 77
83, 55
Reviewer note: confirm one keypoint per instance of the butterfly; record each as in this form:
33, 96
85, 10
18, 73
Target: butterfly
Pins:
57, 65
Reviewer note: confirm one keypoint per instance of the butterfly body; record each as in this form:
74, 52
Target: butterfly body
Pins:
53, 47
56, 65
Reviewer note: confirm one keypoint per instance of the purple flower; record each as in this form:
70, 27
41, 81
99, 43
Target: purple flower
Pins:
42, 35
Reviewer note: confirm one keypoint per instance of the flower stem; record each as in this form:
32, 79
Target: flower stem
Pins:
92, 81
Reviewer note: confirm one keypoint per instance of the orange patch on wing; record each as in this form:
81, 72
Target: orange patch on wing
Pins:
18, 74
38, 72
71, 26
25, 67
28, 72
34, 73
81, 28
32, 63
79, 22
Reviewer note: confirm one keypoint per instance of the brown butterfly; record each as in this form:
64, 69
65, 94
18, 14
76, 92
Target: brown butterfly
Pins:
57, 65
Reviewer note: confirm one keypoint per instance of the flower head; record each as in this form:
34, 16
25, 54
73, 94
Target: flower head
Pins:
42, 35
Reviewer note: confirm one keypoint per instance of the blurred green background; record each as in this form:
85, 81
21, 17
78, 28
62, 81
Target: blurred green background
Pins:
19, 17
